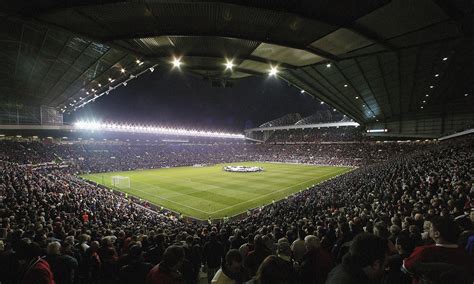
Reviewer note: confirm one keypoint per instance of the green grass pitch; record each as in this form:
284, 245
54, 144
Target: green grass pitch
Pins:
211, 192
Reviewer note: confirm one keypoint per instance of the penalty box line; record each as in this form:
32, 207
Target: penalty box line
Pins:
164, 198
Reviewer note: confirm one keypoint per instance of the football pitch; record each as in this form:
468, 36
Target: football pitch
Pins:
211, 192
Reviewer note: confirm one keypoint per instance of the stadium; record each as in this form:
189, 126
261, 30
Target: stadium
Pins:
237, 141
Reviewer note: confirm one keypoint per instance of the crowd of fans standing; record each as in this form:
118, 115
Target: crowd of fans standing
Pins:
404, 216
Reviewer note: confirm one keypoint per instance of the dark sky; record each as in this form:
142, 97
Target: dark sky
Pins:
174, 98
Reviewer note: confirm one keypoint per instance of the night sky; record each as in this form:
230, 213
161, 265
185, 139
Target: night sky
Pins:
173, 98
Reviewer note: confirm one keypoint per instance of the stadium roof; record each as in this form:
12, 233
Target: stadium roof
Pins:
375, 61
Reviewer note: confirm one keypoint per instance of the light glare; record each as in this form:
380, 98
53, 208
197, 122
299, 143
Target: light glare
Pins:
177, 62
95, 125
229, 65
273, 71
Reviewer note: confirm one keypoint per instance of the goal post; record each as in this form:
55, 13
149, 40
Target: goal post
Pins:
120, 182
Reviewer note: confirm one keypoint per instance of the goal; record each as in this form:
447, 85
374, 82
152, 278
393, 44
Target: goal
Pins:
120, 182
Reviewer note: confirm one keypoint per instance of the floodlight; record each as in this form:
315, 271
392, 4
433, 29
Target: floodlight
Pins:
157, 130
273, 71
445, 58
229, 64
466, 94
376, 130
87, 93
436, 75
152, 69
177, 62
356, 98
328, 65
100, 85
125, 83
122, 70
138, 61
431, 87
345, 85
302, 91
322, 103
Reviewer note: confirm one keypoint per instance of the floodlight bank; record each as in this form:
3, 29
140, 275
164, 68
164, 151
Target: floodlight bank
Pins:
116, 127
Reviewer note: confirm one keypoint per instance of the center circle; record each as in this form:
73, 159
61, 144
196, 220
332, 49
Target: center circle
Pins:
242, 169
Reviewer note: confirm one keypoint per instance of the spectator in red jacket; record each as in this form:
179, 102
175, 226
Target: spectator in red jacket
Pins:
445, 232
166, 272
35, 269
85, 218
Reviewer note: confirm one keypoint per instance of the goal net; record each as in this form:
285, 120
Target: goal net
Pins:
121, 182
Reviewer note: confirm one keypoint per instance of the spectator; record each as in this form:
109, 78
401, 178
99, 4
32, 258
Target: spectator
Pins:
316, 263
271, 272
445, 233
167, 271
287, 264
364, 263
404, 246
248, 246
92, 264
137, 270
213, 255
35, 269
64, 267
231, 272
298, 247
256, 257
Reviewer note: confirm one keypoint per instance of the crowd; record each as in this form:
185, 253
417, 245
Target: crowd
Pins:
112, 156
406, 217
312, 135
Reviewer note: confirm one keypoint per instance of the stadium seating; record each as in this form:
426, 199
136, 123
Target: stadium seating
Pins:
104, 236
